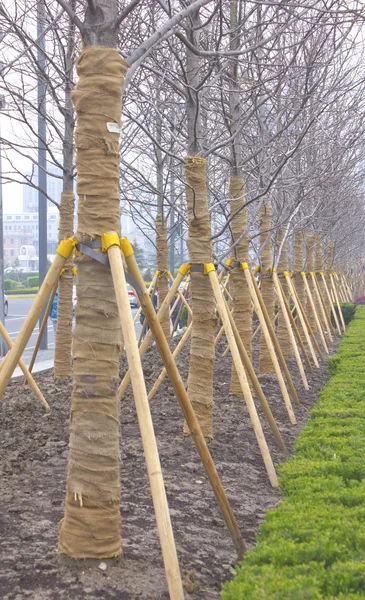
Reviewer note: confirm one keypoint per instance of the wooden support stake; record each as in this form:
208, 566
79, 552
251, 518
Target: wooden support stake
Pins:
146, 427
269, 465
186, 406
270, 345
28, 376
310, 330
314, 310
322, 306
175, 354
337, 301
43, 327
303, 321
30, 322
290, 331
331, 303
150, 288
274, 339
295, 328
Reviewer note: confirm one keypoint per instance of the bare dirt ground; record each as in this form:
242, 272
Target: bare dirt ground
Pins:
33, 463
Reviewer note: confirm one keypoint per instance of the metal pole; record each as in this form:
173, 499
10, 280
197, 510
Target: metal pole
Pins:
3, 348
42, 159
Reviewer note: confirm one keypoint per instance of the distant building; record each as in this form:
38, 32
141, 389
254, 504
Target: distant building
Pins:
21, 229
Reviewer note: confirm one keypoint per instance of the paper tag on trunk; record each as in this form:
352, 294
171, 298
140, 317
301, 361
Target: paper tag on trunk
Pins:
113, 128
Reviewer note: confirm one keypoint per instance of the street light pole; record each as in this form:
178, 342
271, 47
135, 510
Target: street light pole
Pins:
42, 159
3, 348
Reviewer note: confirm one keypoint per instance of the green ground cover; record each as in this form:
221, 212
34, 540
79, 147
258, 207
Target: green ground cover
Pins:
312, 546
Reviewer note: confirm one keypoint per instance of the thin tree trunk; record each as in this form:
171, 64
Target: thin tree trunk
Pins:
267, 283
91, 525
200, 379
63, 343
283, 265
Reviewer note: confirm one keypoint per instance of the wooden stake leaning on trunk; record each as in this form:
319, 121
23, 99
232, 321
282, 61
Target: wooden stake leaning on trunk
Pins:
298, 308
28, 376
295, 328
111, 243
330, 303
337, 300
182, 396
269, 342
222, 309
314, 311
151, 287
326, 321
289, 330
273, 336
64, 251
43, 327
184, 269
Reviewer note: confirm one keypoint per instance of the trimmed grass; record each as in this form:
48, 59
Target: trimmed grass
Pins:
312, 546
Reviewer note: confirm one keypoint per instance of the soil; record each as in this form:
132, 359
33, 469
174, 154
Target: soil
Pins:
33, 463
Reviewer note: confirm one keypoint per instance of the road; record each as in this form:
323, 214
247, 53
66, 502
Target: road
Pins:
18, 310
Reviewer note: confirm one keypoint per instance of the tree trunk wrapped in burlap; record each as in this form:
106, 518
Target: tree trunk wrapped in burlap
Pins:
239, 289
162, 267
267, 284
299, 283
63, 358
91, 525
283, 265
328, 267
200, 380
310, 244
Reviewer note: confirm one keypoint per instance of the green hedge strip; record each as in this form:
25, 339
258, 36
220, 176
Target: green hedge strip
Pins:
312, 546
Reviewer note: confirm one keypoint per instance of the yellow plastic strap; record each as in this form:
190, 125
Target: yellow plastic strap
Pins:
257, 268
311, 273
244, 266
274, 270
286, 274
74, 271
330, 274
108, 240
302, 273
157, 273
126, 247
66, 247
229, 262
208, 268
184, 269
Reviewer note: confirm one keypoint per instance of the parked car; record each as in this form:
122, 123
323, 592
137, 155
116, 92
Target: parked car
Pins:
132, 297
6, 305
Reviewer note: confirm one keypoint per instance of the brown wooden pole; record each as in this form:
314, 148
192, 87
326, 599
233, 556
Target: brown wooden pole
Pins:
241, 374
337, 301
28, 376
314, 311
151, 287
275, 340
268, 340
311, 337
185, 403
326, 321
43, 327
295, 328
331, 303
290, 331
146, 427
30, 322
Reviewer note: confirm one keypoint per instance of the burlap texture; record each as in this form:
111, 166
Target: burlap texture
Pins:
239, 289
93, 530
320, 268
63, 359
328, 267
267, 284
200, 379
162, 265
283, 265
298, 282
310, 241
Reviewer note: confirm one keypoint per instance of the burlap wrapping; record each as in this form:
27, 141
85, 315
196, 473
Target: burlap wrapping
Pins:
320, 268
298, 282
283, 265
162, 265
267, 284
91, 526
328, 267
200, 380
63, 359
239, 289
310, 241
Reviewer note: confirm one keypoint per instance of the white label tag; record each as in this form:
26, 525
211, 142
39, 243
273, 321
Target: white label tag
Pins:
113, 127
